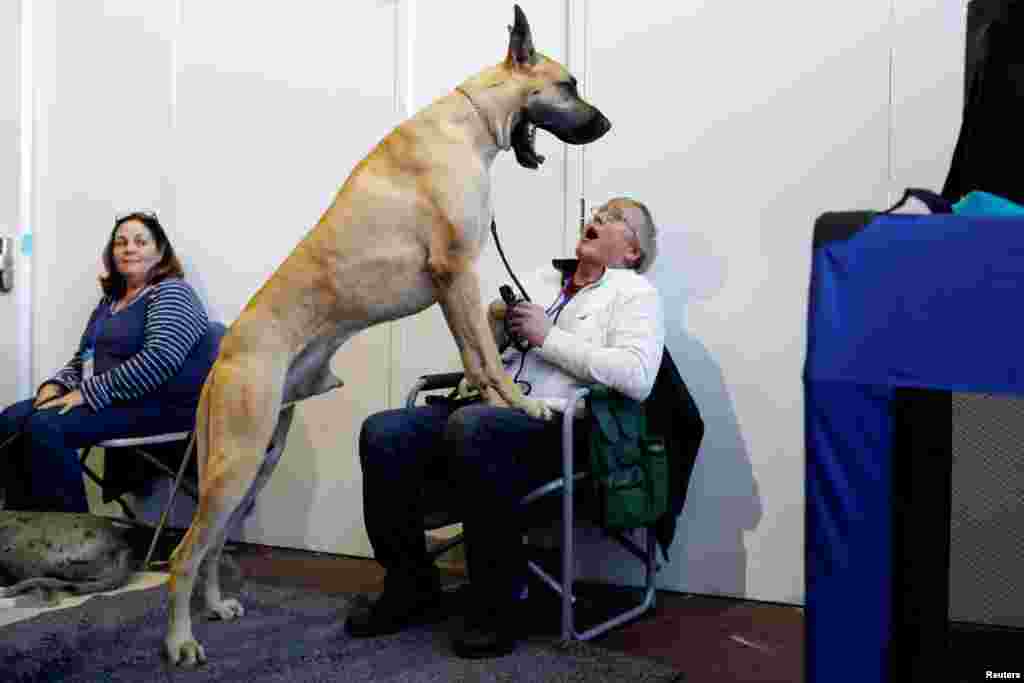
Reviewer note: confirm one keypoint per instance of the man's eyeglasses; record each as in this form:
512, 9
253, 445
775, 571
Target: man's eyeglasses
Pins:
601, 217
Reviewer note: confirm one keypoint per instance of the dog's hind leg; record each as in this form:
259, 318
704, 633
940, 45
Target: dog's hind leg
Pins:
237, 414
216, 606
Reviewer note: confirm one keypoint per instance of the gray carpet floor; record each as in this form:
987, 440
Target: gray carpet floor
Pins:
287, 634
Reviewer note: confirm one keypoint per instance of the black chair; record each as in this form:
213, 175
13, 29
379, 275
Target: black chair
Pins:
139, 459
436, 494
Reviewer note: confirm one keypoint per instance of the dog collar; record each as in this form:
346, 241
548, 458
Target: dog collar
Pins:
483, 117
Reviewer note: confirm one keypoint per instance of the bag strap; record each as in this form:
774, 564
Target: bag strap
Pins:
617, 415
936, 203
7, 442
600, 406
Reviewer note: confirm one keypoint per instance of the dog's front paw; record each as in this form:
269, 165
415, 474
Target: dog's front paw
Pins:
538, 409
467, 390
185, 652
225, 610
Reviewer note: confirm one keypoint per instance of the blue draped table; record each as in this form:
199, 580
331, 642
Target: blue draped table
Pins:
903, 309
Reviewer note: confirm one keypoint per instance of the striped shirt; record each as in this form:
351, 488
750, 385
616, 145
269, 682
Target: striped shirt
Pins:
139, 348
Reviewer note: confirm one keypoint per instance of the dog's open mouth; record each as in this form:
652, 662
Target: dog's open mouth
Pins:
524, 136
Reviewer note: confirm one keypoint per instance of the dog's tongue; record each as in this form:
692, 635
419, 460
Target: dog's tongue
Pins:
523, 136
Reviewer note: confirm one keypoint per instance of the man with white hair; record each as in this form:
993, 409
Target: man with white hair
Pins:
595, 318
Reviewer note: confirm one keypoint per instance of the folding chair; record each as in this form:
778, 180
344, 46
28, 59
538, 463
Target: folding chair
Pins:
436, 518
137, 444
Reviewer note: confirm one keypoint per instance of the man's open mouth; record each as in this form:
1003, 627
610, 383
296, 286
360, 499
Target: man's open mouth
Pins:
590, 234
524, 136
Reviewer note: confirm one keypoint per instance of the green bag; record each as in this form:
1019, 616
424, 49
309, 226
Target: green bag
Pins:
628, 465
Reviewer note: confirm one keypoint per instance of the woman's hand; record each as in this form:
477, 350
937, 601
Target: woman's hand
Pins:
48, 391
67, 402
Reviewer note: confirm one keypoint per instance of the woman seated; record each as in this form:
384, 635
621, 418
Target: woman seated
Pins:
137, 372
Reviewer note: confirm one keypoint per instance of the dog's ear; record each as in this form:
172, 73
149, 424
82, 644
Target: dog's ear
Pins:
520, 42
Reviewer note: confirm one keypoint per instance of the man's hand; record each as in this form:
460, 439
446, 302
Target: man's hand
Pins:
466, 390
48, 391
527, 321
67, 402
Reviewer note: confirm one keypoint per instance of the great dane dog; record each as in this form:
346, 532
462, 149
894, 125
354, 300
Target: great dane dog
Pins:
403, 232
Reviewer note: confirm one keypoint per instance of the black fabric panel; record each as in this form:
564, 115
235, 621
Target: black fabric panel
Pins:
922, 464
672, 413
127, 472
836, 226
989, 144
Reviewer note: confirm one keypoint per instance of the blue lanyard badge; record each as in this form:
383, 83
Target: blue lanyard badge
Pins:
88, 363
89, 352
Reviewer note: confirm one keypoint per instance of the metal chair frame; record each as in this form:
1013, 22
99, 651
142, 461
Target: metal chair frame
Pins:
179, 482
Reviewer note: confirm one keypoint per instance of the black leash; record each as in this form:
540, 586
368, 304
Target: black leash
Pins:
501, 253
523, 346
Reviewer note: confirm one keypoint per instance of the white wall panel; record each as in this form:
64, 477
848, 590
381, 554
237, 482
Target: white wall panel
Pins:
738, 123
928, 91
102, 140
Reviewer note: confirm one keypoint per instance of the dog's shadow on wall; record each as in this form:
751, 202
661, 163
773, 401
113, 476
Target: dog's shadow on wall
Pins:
282, 512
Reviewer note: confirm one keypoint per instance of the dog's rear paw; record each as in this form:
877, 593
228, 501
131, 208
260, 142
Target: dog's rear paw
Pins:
225, 610
187, 653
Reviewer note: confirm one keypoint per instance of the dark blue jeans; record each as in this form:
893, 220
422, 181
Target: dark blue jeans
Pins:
491, 458
44, 473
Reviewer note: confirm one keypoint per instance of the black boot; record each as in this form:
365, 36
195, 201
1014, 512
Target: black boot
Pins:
489, 631
405, 602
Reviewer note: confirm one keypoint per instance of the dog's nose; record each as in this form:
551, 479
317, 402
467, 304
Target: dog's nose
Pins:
602, 125
596, 125
595, 128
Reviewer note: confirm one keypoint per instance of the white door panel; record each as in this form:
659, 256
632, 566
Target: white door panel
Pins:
528, 205
273, 112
